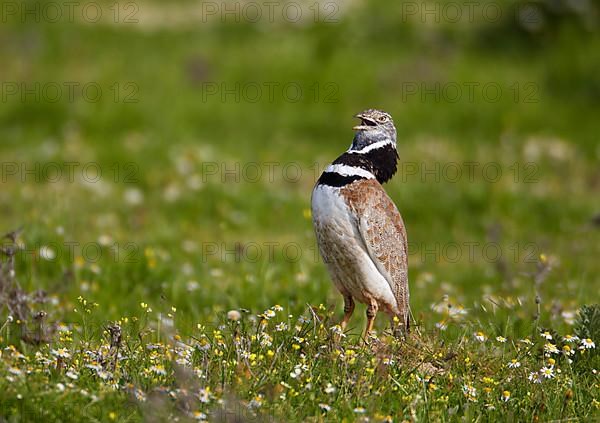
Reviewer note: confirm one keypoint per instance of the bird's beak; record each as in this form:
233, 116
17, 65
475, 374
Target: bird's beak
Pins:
365, 122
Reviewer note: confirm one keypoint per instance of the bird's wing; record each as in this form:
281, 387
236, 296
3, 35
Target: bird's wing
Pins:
384, 236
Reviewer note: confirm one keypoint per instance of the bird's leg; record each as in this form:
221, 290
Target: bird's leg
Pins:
348, 310
371, 313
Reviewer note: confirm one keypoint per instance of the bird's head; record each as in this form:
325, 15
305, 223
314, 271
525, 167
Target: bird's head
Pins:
375, 125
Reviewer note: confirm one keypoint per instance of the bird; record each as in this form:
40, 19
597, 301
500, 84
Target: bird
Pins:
360, 233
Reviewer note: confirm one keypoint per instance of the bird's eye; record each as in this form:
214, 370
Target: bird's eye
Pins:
382, 119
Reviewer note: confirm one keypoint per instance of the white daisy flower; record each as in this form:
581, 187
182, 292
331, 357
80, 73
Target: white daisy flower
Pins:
198, 415
514, 364
480, 336
15, 371
204, 395
534, 377
588, 343
324, 407
337, 330
470, 392
550, 348
296, 372
457, 311
94, 367
256, 401
266, 340
133, 196
547, 372
158, 370
61, 352
567, 350
329, 389
47, 253
104, 375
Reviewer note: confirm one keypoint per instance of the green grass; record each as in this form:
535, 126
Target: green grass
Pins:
173, 230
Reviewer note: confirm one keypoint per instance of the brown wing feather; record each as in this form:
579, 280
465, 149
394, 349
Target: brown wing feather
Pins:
384, 235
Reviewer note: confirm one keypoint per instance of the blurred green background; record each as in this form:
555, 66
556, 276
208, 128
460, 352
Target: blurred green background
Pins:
178, 104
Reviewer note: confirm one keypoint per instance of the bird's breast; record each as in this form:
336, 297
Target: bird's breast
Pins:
329, 208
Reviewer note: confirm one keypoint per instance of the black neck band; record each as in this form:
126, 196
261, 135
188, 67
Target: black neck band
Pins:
381, 162
333, 179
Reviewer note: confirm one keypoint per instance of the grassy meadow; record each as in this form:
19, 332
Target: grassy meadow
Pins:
157, 162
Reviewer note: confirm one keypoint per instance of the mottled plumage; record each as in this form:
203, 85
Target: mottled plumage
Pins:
359, 230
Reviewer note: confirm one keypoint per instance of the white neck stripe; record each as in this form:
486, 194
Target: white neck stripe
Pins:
371, 147
346, 170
